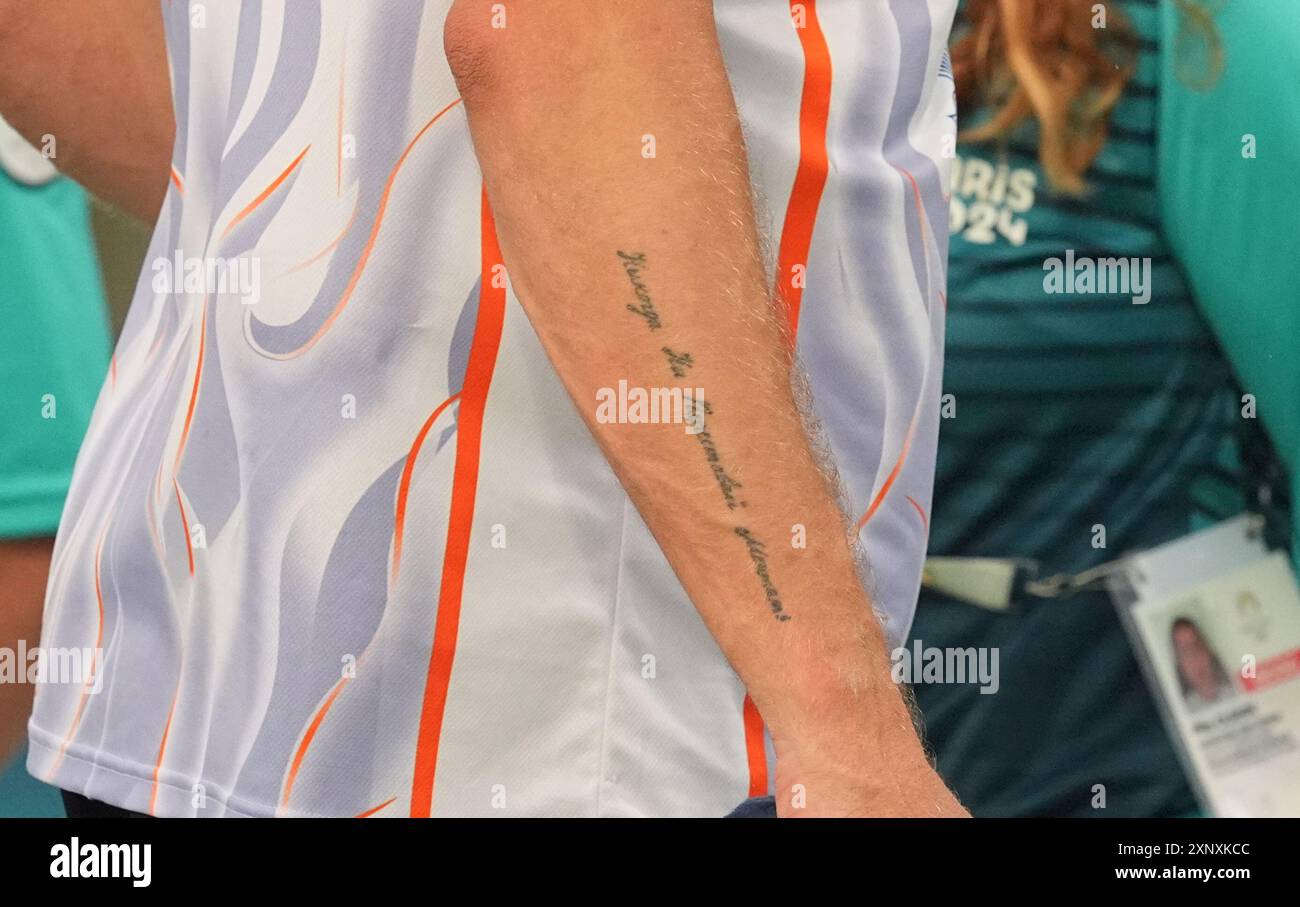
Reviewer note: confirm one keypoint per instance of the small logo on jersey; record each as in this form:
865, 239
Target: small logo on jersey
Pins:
631, 405
52, 665
1102, 276
240, 276
75, 860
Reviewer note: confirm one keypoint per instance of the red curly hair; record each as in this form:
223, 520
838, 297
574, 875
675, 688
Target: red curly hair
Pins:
1062, 62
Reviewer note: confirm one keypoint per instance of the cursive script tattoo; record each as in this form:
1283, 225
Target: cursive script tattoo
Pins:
758, 554
634, 264
679, 363
726, 483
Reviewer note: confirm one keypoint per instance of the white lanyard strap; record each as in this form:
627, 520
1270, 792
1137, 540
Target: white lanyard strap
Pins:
996, 583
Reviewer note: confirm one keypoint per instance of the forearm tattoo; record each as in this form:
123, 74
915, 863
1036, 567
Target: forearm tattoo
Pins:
634, 264
680, 363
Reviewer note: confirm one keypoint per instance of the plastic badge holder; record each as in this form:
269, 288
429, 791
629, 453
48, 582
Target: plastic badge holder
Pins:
1215, 623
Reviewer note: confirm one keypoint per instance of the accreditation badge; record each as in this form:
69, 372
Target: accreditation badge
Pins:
1215, 621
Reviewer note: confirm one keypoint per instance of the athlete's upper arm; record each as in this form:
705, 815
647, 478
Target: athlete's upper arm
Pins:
87, 81
490, 44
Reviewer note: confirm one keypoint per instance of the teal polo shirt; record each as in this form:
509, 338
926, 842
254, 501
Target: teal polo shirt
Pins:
54, 347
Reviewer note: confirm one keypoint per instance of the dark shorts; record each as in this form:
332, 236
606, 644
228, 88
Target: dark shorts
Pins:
79, 807
755, 808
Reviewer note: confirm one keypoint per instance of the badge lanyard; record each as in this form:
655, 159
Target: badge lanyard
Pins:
1001, 584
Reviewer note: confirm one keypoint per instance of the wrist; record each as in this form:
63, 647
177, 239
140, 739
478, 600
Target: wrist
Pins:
846, 721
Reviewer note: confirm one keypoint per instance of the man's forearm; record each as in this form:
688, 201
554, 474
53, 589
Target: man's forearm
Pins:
92, 74
647, 269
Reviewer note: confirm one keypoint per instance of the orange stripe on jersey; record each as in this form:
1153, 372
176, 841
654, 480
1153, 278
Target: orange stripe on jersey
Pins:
922, 221
889, 481
796, 241
478, 378
810, 177
916, 193
185, 525
194, 390
399, 521
162, 752
907, 441
307, 737
755, 749
94, 657
265, 193
178, 181
375, 809
925, 522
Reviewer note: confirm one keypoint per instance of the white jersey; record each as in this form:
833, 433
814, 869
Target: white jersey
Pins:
338, 541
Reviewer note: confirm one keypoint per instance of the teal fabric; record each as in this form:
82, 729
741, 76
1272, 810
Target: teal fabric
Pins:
23, 797
1234, 221
54, 346
1072, 411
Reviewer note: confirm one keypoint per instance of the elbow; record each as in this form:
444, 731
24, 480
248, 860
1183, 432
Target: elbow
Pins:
473, 42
